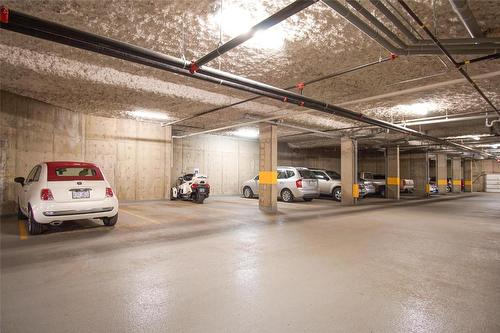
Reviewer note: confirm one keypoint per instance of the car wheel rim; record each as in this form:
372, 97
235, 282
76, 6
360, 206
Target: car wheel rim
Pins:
338, 195
247, 193
30, 223
286, 196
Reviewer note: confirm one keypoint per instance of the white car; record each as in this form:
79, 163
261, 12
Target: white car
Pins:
55, 192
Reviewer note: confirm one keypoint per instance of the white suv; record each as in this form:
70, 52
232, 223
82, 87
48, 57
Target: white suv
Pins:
61, 191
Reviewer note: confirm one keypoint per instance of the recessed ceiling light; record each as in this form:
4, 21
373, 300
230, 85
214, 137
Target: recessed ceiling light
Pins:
248, 133
148, 115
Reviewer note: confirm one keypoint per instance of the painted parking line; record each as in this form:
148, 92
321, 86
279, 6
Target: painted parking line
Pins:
23, 233
140, 216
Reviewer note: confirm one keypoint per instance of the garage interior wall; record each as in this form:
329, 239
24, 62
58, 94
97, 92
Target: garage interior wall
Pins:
132, 154
321, 158
227, 161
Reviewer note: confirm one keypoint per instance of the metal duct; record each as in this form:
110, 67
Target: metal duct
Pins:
461, 8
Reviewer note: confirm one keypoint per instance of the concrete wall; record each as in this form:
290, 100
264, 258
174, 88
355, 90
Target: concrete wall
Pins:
227, 161
133, 155
321, 158
479, 169
371, 161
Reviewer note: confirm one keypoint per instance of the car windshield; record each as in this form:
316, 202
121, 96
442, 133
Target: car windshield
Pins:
378, 177
306, 174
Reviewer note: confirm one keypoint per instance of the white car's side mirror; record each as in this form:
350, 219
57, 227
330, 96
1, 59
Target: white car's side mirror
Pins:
19, 180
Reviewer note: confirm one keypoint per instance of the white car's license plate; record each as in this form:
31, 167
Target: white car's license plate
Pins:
202, 190
80, 194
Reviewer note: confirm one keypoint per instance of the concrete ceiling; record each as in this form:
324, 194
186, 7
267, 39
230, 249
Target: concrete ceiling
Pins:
317, 42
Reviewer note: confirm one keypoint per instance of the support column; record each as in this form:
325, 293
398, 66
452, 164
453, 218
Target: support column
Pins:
268, 165
468, 176
419, 172
392, 178
169, 153
442, 172
349, 170
456, 174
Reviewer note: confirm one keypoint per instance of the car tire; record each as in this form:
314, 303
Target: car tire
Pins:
34, 228
382, 193
337, 194
20, 214
172, 195
286, 195
247, 192
308, 199
110, 221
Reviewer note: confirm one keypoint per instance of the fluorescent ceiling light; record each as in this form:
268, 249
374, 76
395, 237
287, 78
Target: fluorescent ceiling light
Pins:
148, 115
476, 137
236, 21
246, 132
421, 108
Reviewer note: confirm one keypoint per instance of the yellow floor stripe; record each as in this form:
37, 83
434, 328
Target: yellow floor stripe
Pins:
23, 233
139, 216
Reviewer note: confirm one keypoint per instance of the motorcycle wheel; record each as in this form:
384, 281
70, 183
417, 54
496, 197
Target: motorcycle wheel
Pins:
199, 198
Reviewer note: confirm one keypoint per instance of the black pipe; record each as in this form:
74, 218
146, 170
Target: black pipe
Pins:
329, 76
380, 6
446, 53
272, 20
486, 57
58, 33
373, 20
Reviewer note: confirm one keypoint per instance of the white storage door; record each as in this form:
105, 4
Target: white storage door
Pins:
493, 182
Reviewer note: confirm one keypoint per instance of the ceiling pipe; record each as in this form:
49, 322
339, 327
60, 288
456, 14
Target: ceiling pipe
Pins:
361, 25
460, 41
30, 25
322, 78
486, 57
394, 20
421, 88
461, 8
269, 22
373, 20
415, 49
446, 53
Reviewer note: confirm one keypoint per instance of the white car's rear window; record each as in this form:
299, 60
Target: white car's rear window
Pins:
76, 172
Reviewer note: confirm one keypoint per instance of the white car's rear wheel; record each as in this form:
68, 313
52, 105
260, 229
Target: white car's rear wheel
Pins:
287, 195
110, 221
247, 192
34, 228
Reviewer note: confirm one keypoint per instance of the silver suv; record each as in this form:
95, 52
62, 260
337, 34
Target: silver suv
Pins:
330, 184
293, 183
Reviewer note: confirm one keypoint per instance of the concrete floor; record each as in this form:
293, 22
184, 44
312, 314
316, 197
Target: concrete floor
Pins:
412, 266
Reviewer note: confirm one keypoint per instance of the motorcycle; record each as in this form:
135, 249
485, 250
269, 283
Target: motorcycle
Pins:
192, 187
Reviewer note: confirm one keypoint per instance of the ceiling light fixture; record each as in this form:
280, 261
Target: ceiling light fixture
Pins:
236, 21
248, 133
421, 108
148, 115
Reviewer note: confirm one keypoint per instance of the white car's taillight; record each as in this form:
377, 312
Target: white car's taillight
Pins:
109, 192
46, 194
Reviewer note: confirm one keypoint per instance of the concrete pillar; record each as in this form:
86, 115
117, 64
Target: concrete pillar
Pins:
419, 172
349, 170
456, 174
392, 173
169, 160
441, 172
268, 164
468, 176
